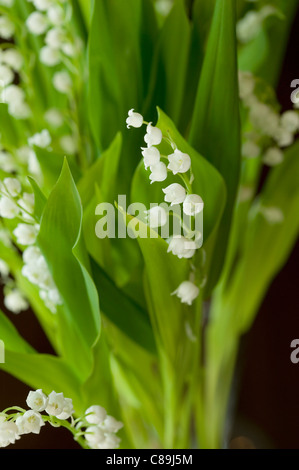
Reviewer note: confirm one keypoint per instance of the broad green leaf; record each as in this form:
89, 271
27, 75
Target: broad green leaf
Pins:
9, 128
51, 163
115, 82
99, 386
215, 129
58, 239
131, 319
165, 273
13, 341
46, 372
170, 63
201, 15
40, 199
102, 173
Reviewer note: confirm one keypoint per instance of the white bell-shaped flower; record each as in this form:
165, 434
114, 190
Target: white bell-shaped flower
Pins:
193, 204
182, 247
157, 217
6, 75
13, 186
249, 26
37, 400
54, 118
55, 404
15, 302
30, 422
290, 121
134, 119
7, 27
7, 3
187, 292
179, 162
112, 425
153, 135
8, 433
151, 156
42, 5
67, 409
13, 58
250, 149
62, 82
95, 414
8, 208
49, 56
273, 156
56, 15
26, 234
42, 139
37, 23
174, 193
158, 172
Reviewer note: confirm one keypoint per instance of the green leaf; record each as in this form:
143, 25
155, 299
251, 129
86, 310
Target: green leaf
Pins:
51, 163
13, 341
165, 272
115, 83
170, 63
215, 129
60, 241
46, 372
40, 199
98, 388
131, 319
9, 127
102, 173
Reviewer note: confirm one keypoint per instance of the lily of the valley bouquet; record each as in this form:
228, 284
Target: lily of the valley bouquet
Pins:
134, 135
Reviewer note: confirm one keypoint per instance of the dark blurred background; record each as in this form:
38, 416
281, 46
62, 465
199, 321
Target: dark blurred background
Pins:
267, 407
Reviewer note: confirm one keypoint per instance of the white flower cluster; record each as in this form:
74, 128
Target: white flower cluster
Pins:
50, 19
36, 270
14, 425
13, 204
251, 24
11, 63
98, 428
177, 163
271, 131
101, 429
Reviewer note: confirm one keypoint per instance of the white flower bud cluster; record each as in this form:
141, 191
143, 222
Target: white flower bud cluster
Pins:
11, 63
101, 429
271, 131
178, 164
13, 425
50, 19
14, 300
36, 270
251, 24
13, 205
98, 428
